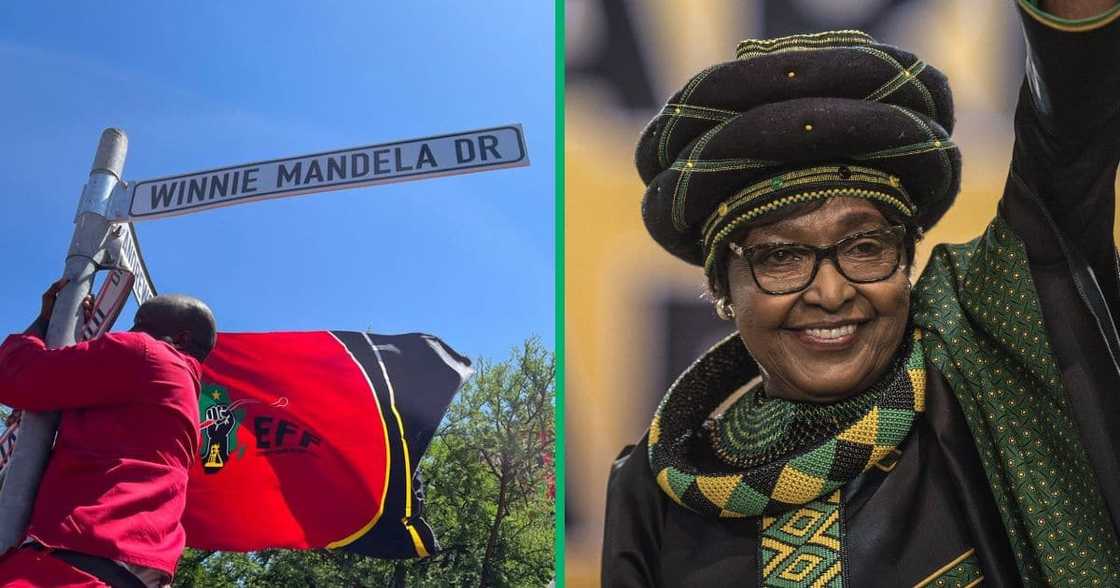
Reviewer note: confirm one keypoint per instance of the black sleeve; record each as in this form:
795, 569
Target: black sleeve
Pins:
1067, 133
1060, 201
632, 533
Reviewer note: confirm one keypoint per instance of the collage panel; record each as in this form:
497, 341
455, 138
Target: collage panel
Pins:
797, 354
319, 347
572, 293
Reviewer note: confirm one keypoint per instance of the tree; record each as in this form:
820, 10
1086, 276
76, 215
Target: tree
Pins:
505, 419
489, 496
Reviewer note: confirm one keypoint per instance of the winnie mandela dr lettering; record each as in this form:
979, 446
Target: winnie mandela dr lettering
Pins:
459, 153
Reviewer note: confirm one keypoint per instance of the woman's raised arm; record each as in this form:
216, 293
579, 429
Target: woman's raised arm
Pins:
1067, 126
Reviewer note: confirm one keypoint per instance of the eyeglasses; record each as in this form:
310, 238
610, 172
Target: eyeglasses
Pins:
785, 268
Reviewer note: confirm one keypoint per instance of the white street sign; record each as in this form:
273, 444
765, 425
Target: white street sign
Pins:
133, 262
123, 252
8, 442
415, 159
107, 306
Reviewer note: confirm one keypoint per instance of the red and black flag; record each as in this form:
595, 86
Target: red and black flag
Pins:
312, 440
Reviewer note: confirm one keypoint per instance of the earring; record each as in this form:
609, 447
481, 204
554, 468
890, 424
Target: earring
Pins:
724, 309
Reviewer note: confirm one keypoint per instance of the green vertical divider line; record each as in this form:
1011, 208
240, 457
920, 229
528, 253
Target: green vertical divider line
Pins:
558, 461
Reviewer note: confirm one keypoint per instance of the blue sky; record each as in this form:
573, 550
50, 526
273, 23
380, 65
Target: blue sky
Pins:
202, 85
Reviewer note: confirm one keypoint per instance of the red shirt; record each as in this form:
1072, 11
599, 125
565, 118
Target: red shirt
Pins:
116, 482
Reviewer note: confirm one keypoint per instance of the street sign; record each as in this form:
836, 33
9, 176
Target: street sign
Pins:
132, 262
8, 440
415, 159
122, 251
108, 304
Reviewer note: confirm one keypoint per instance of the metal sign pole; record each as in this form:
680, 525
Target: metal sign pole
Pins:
37, 430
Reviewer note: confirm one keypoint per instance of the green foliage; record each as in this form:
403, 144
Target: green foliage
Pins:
488, 495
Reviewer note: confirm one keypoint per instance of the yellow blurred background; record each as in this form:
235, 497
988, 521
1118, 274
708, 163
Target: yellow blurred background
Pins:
634, 316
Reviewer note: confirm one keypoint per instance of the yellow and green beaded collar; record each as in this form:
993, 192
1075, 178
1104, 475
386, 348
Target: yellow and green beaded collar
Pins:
795, 478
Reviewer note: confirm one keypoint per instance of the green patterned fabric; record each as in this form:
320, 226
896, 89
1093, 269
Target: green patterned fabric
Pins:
809, 470
802, 547
983, 328
963, 572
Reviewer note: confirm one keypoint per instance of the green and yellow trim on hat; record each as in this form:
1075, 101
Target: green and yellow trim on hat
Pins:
796, 187
751, 48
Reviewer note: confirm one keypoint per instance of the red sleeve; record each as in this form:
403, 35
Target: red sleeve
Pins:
92, 373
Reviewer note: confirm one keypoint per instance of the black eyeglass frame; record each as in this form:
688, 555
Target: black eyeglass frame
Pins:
828, 252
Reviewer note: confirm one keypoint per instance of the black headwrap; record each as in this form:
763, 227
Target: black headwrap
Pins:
796, 119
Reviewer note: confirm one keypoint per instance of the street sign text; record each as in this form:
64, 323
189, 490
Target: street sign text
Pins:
459, 153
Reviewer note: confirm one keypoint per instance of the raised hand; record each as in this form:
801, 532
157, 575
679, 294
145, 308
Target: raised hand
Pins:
49, 297
39, 325
222, 421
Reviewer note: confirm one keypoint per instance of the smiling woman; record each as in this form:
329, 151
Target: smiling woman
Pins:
856, 430
822, 336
